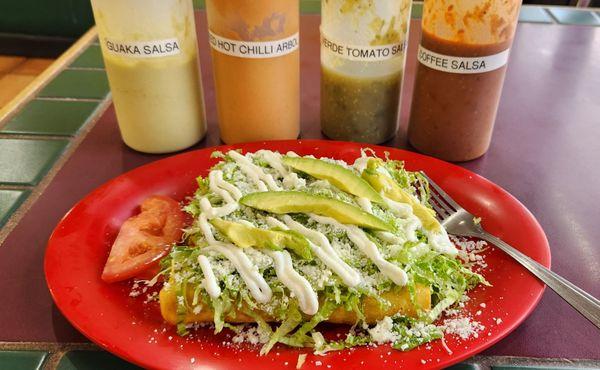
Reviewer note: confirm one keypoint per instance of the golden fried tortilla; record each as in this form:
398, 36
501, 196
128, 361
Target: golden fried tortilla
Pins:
399, 304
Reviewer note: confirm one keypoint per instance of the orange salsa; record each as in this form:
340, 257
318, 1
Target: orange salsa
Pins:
257, 99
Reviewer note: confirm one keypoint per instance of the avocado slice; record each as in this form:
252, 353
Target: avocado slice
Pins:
245, 236
337, 175
391, 189
299, 202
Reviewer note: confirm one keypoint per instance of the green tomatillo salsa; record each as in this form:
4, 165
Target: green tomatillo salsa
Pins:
355, 108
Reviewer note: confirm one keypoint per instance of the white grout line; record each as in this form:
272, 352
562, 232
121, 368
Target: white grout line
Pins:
51, 98
96, 69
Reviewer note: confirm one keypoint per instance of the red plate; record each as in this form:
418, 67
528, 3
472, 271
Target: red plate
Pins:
123, 325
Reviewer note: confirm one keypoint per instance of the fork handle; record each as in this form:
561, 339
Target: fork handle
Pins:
580, 300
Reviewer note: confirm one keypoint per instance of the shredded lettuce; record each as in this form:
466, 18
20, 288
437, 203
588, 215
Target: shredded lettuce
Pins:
351, 340
447, 277
411, 333
289, 324
300, 337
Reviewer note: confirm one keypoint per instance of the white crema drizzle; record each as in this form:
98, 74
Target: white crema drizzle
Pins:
274, 160
439, 240
210, 281
320, 246
258, 287
229, 193
255, 173
318, 242
296, 283
360, 239
365, 204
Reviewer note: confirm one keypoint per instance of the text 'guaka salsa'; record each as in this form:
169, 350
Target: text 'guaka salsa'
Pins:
150, 52
462, 62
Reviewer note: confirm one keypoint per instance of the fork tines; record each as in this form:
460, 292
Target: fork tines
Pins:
441, 202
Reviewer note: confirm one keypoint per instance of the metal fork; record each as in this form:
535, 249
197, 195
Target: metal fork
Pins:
457, 221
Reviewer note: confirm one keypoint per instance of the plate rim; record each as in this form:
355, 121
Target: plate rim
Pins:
467, 353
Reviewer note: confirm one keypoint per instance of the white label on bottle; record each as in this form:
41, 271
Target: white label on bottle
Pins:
447, 63
254, 49
143, 49
363, 53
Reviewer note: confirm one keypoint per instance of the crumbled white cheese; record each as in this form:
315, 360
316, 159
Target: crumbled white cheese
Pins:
134, 293
151, 297
383, 332
258, 258
470, 251
292, 181
318, 275
464, 327
251, 334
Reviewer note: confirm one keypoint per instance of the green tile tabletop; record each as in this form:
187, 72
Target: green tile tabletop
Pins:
534, 14
575, 17
10, 200
25, 162
417, 10
310, 6
90, 58
92, 360
51, 117
22, 360
463, 366
77, 84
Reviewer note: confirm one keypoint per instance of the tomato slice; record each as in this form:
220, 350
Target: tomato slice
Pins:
144, 239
